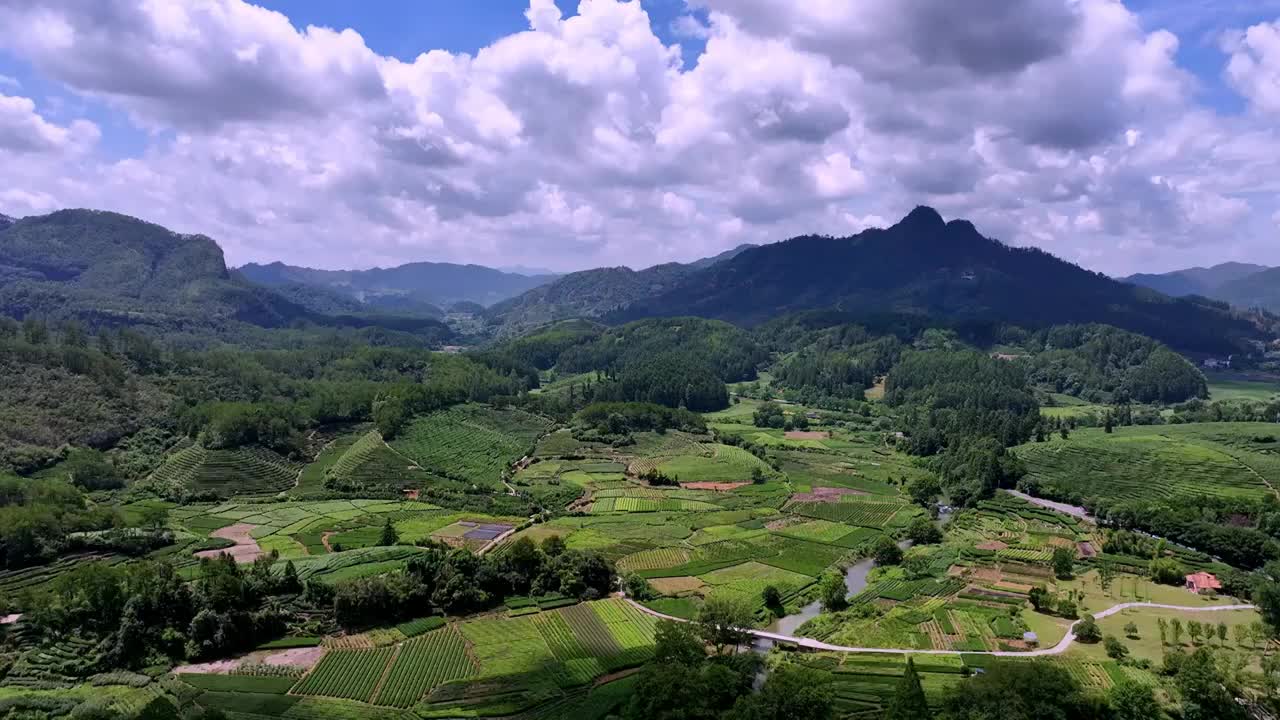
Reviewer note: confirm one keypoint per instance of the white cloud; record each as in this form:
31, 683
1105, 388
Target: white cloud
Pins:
23, 130
1254, 68
585, 140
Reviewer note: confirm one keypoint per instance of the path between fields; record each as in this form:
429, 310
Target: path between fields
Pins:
1058, 649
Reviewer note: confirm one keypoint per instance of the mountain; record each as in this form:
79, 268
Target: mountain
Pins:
1259, 289
1196, 280
6, 221
726, 255
588, 293
925, 266
419, 288
104, 268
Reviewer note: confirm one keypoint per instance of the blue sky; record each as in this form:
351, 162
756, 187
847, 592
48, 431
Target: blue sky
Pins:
1072, 125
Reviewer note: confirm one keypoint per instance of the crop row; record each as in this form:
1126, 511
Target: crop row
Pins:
422, 664
350, 674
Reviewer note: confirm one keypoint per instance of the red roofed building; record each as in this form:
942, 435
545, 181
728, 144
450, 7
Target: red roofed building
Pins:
1201, 581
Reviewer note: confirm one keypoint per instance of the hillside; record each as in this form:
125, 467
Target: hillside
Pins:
107, 269
1259, 289
925, 266
1197, 280
416, 287
589, 293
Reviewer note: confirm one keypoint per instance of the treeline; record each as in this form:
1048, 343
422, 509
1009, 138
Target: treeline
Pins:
1242, 532
621, 418
1100, 363
146, 614
37, 518
457, 582
675, 362
70, 388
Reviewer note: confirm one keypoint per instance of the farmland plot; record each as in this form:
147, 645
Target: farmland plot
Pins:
350, 674
422, 664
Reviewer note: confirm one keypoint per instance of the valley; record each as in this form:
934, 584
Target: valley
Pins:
339, 518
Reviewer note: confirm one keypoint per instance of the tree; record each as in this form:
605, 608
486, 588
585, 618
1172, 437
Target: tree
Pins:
1134, 701
1241, 633
677, 642
1222, 632
1131, 630
1167, 571
909, 701
1067, 607
1018, 691
1063, 563
1194, 629
1087, 630
1164, 631
1116, 650
832, 591
553, 546
389, 535
792, 692
924, 489
1266, 595
1175, 626
772, 599
1108, 424
1064, 432
886, 551
1106, 572
1205, 692
1041, 599
923, 531
722, 622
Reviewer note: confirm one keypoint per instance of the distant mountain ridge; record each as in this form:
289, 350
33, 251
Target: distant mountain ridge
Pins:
420, 287
1197, 280
105, 268
926, 266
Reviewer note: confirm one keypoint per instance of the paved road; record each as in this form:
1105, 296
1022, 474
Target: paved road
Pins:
1073, 510
1058, 649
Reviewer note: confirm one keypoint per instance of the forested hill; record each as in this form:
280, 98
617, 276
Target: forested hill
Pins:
405, 287
926, 266
1197, 280
589, 293
105, 269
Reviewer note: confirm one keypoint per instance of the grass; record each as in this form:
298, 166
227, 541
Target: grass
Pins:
1147, 644
725, 463
1230, 386
1163, 461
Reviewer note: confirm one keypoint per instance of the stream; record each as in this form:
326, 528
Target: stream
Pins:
855, 581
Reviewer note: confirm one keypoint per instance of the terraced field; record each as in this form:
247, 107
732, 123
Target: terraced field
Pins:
243, 471
471, 443
370, 466
1167, 461
423, 663
350, 674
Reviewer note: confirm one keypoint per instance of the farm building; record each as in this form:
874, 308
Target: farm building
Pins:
1201, 581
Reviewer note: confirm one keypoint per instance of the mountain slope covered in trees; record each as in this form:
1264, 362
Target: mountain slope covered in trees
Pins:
925, 266
104, 269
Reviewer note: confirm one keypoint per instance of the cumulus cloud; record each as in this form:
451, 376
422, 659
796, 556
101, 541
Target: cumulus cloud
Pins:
585, 140
23, 130
1254, 68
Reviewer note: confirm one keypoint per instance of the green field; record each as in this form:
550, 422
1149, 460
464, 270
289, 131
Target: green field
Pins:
1221, 459
1228, 386
470, 443
423, 663
369, 465
224, 473
349, 674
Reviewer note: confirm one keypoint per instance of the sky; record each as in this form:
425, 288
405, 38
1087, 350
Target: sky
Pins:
1123, 136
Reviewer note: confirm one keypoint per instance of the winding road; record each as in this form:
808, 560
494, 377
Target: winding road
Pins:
1058, 649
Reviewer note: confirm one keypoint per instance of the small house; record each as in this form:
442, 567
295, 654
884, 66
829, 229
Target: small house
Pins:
1030, 638
1202, 581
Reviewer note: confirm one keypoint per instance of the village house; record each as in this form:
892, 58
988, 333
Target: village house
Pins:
1202, 581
